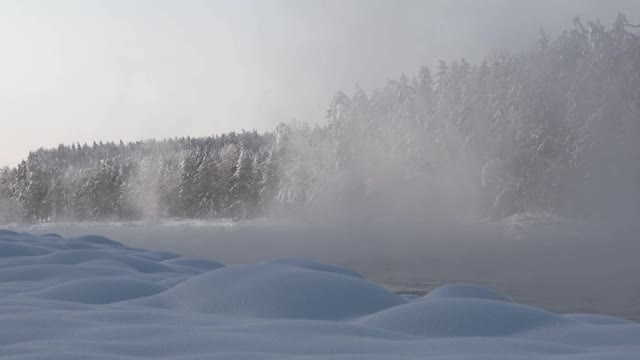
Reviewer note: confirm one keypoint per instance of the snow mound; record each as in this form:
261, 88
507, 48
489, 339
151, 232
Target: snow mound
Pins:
202, 264
313, 265
4, 232
157, 255
101, 291
461, 317
74, 257
465, 291
98, 240
93, 298
10, 250
52, 235
272, 290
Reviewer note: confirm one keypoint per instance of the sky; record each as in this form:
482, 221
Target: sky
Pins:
109, 70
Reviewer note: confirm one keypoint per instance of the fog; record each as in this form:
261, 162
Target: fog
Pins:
515, 167
84, 71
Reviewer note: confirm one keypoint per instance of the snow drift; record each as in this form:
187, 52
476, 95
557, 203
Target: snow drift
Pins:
274, 290
93, 298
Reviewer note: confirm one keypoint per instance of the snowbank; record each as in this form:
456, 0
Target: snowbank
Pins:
461, 317
465, 291
274, 290
93, 298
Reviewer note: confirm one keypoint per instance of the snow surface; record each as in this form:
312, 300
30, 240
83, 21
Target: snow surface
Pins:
90, 297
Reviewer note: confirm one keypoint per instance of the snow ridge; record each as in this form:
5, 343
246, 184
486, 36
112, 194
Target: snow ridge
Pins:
91, 297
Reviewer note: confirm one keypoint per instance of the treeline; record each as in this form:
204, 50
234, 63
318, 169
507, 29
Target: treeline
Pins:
555, 129
232, 175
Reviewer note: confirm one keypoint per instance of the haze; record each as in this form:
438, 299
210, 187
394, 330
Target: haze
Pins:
83, 71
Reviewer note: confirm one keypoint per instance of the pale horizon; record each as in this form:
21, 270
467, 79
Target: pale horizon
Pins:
130, 70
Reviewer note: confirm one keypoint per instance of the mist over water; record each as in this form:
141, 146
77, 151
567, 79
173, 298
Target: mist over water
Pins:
518, 170
547, 127
545, 261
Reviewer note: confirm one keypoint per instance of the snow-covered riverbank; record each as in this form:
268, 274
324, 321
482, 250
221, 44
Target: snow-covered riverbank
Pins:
539, 260
93, 298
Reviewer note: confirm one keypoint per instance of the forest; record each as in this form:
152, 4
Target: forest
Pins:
551, 129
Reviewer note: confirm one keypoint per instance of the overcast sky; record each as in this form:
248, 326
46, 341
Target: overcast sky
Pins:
85, 70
